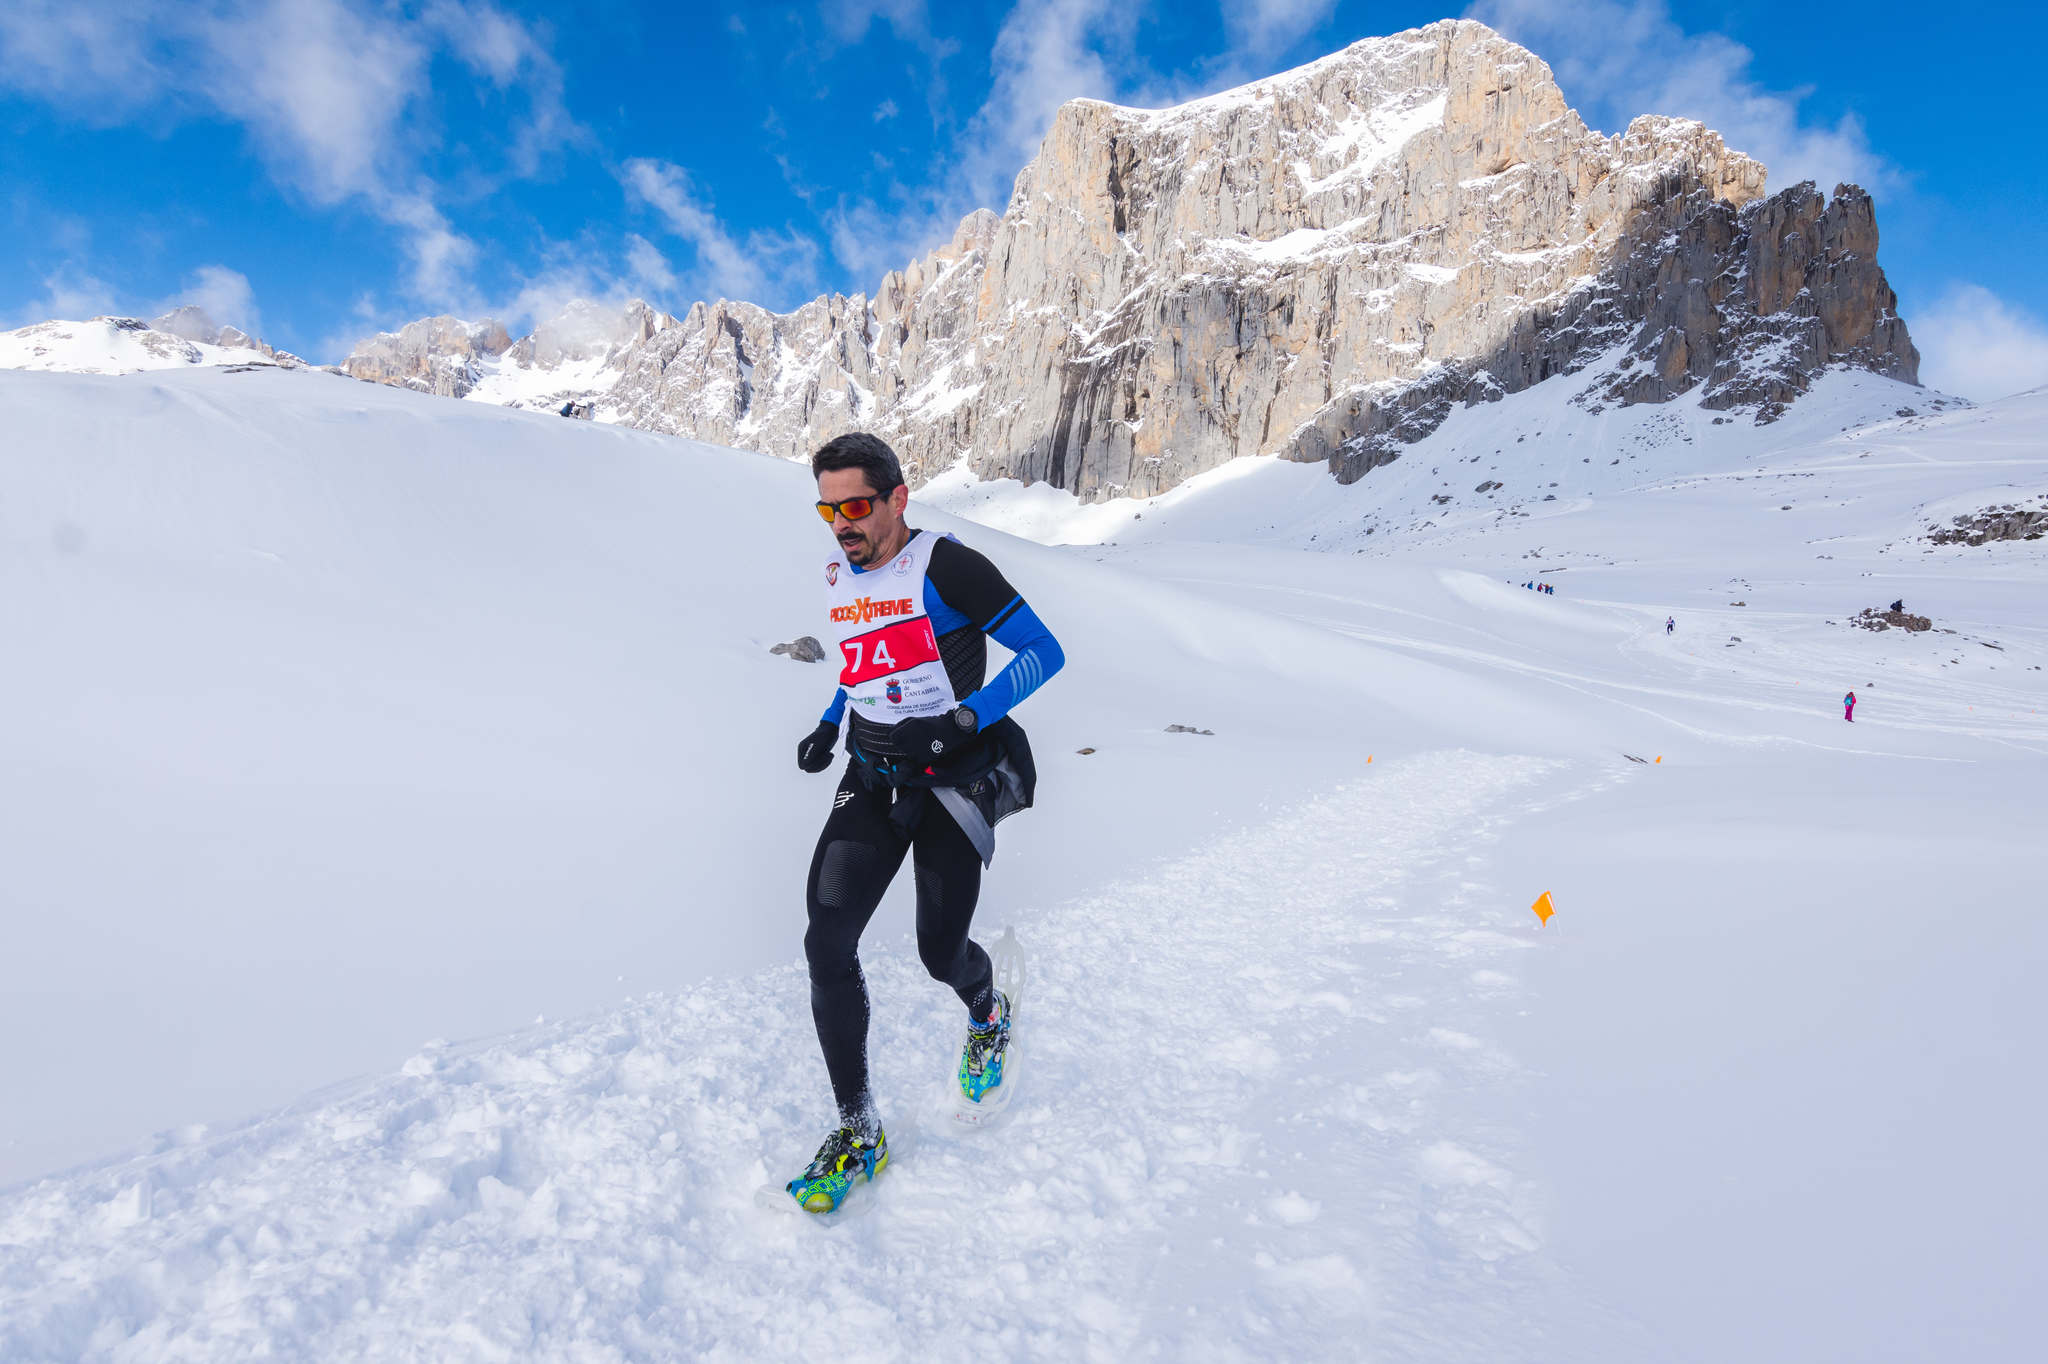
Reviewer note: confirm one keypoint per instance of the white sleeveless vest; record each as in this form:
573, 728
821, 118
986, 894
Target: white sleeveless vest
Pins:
888, 656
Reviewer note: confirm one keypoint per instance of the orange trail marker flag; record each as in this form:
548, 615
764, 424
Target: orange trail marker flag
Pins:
1544, 909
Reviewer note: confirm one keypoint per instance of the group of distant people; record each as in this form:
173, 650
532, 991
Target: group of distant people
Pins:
1539, 587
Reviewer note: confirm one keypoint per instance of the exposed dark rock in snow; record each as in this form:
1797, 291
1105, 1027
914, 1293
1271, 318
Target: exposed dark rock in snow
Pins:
2008, 522
1870, 618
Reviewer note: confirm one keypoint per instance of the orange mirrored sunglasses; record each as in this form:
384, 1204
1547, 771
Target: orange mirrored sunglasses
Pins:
853, 508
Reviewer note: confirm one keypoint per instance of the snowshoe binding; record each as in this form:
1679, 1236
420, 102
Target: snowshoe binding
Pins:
988, 1046
845, 1157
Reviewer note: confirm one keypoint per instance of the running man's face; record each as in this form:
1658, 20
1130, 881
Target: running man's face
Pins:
875, 536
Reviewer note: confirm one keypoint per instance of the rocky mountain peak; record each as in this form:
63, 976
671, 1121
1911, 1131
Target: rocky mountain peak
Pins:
585, 330
434, 355
1319, 265
192, 322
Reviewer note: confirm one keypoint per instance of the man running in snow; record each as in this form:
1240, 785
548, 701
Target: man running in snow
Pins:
1670, 624
934, 763
1849, 708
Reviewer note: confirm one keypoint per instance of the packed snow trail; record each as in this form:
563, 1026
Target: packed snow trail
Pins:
1265, 1118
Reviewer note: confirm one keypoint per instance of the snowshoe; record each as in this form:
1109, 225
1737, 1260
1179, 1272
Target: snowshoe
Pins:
845, 1157
985, 1081
988, 1046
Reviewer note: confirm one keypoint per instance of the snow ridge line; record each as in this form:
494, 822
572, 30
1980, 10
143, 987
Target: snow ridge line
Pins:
1245, 1129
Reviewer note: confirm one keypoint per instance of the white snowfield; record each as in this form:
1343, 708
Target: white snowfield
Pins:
113, 345
351, 718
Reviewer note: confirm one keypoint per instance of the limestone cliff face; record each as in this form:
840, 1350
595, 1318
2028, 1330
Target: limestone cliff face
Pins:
434, 355
1317, 265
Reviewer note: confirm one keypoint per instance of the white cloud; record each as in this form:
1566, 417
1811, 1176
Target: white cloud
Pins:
512, 55
57, 49
1974, 343
222, 294
849, 20
870, 240
543, 297
885, 110
332, 94
772, 269
650, 271
1616, 59
1263, 29
322, 89
70, 293
1045, 55
441, 256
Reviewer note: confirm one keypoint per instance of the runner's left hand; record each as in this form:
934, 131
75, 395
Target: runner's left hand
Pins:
929, 737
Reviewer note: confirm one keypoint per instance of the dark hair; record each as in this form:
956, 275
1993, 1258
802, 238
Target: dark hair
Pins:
859, 450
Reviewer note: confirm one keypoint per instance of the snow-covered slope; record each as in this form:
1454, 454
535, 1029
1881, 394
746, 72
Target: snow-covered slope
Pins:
358, 719
126, 345
519, 666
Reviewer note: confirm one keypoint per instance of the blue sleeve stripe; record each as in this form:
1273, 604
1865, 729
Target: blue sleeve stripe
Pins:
1003, 615
1027, 675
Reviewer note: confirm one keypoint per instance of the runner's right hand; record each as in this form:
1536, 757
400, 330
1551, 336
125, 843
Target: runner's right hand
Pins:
814, 752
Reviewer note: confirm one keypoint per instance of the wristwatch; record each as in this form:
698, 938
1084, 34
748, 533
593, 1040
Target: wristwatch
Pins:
966, 719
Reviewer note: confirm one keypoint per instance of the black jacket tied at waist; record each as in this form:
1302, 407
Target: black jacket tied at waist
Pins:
981, 786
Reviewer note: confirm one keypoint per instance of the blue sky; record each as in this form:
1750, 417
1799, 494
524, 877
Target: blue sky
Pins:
317, 169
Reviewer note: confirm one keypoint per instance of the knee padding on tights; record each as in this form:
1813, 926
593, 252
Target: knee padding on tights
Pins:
843, 895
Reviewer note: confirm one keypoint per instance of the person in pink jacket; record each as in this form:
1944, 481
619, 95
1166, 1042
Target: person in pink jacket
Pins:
1849, 707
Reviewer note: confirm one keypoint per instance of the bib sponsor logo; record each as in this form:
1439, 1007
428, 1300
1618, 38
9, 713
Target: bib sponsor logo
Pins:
832, 574
894, 691
903, 565
865, 609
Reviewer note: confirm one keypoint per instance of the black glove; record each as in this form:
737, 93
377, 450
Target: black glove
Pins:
933, 737
814, 752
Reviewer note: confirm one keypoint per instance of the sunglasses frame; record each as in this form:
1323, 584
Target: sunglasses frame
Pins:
831, 511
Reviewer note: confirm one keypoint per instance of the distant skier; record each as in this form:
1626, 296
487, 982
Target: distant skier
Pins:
1849, 707
934, 764
1899, 606
1670, 624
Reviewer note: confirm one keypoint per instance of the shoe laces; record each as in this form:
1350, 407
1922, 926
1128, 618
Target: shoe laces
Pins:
831, 1157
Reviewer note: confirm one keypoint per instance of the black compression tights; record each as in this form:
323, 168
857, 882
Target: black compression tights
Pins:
858, 854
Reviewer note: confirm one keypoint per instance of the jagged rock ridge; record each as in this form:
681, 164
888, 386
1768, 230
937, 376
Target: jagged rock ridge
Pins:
1318, 265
